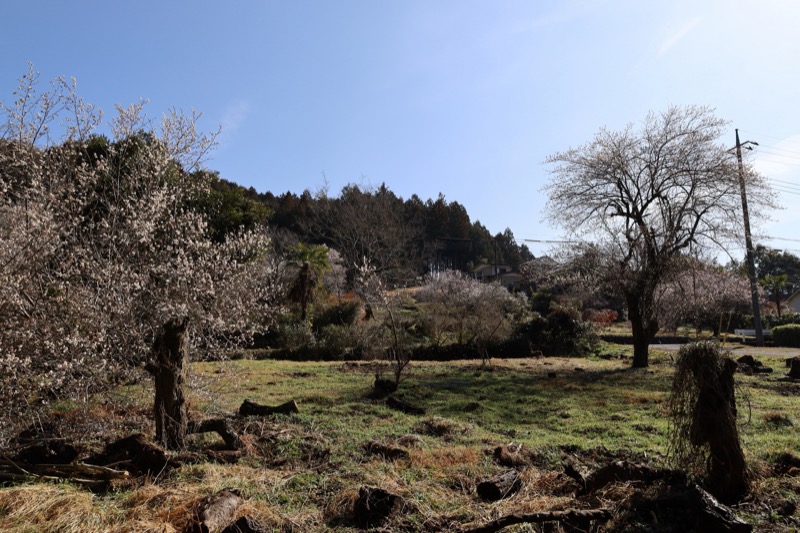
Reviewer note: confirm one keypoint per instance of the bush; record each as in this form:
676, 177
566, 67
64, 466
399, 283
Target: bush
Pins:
772, 321
295, 337
343, 341
787, 335
341, 314
562, 332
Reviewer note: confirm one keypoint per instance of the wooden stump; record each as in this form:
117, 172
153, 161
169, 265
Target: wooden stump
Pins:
374, 506
794, 368
404, 407
136, 454
214, 513
249, 408
500, 486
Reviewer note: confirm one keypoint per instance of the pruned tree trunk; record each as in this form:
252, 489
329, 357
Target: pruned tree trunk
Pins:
167, 367
404, 407
500, 486
794, 367
374, 505
134, 453
702, 408
727, 474
644, 326
249, 408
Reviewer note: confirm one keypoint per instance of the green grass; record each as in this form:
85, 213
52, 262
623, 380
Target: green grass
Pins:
304, 470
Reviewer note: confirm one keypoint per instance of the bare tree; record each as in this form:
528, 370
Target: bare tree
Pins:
645, 196
368, 223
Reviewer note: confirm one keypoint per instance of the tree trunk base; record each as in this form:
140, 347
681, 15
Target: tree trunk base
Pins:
374, 506
249, 408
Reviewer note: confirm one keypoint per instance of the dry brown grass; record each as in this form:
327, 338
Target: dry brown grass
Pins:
53, 508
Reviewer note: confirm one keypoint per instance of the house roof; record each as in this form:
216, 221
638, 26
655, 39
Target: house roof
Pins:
794, 297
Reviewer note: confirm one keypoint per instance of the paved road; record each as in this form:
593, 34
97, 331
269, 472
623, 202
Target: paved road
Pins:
740, 349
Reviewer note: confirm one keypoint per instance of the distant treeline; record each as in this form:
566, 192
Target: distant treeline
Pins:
402, 238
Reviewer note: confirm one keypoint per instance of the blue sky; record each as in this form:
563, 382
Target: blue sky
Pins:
462, 97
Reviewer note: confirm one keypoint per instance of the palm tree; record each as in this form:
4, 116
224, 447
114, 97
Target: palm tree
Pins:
312, 264
775, 284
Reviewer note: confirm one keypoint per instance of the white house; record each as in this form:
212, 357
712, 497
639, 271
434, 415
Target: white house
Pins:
793, 302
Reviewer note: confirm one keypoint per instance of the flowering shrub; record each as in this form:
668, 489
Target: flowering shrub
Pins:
99, 249
465, 311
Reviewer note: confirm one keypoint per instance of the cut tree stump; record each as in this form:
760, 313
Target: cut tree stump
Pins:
374, 505
249, 408
404, 407
215, 513
136, 454
500, 486
219, 426
47, 451
694, 509
794, 368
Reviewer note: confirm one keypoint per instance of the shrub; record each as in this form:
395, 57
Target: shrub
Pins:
562, 332
344, 341
340, 314
773, 320
787, 335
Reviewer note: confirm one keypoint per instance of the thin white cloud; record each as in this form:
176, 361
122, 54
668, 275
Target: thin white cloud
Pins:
676, 34
234, 116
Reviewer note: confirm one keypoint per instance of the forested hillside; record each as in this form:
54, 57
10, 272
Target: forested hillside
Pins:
402, 238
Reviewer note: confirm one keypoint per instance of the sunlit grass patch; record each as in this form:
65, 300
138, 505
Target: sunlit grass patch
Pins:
303, 471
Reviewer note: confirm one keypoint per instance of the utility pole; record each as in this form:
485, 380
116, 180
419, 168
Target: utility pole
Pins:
751, 262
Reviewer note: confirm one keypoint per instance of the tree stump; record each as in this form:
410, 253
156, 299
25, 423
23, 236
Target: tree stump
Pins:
500, 486
214, 513
794, 368
374, 506
167, 358
136, 454
703, 412
404, 407
249, 408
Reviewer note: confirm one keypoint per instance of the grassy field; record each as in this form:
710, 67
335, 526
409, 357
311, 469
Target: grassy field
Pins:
302, 472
